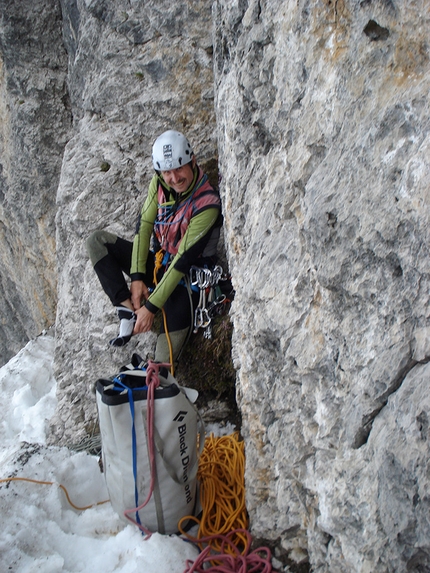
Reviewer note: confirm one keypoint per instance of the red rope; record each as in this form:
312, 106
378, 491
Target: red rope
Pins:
235, 561
152, 381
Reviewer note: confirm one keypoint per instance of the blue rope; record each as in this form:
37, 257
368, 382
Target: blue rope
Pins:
119, 384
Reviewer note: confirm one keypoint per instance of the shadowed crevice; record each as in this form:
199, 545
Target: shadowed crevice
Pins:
362, 435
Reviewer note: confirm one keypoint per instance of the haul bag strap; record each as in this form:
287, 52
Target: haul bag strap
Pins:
134, 450
159, 445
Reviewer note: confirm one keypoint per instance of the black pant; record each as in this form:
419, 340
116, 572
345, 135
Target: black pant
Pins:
111, 257
111, 269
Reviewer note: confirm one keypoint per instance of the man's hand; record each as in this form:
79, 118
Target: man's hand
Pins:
144, 321
139, 293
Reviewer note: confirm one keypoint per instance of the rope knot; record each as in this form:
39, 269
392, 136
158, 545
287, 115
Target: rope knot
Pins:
152, 374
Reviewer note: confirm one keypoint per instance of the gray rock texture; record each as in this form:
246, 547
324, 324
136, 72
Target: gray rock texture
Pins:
35, 122
323, 116
134, 72
318, 112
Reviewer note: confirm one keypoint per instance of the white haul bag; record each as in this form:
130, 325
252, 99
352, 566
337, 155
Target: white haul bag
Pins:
150, 430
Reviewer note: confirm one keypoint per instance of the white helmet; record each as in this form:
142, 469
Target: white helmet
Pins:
170, 151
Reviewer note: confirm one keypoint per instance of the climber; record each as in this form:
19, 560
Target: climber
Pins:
182, 214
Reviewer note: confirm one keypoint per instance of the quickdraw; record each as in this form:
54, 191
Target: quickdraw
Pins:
210, 298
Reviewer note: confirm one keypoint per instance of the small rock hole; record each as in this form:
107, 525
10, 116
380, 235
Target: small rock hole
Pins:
375, 32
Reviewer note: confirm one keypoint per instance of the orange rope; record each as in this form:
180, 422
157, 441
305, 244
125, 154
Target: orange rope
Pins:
59, 485
221, 476
158, 263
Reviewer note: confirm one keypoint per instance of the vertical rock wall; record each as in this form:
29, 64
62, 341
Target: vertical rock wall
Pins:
323, 127
34, 125
135, 69
322, 120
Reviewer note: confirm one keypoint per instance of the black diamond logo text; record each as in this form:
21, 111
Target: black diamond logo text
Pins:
179, 416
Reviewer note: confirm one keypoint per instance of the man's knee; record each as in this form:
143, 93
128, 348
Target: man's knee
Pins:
96, 245
177, 341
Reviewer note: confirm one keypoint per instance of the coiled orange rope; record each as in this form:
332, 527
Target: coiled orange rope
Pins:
222, 492
223, 538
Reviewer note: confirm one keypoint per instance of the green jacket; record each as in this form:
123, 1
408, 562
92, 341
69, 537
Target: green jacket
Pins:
199, 227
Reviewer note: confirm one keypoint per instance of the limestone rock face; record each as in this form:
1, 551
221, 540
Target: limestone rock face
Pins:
35, 121
323, 119
319, 112
135, 70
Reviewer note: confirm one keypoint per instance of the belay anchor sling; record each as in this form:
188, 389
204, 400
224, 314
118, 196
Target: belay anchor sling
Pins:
149, 428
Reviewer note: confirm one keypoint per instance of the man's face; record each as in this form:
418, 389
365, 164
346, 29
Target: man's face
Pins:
181, 178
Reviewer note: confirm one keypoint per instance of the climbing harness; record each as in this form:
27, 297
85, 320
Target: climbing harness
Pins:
211, 297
